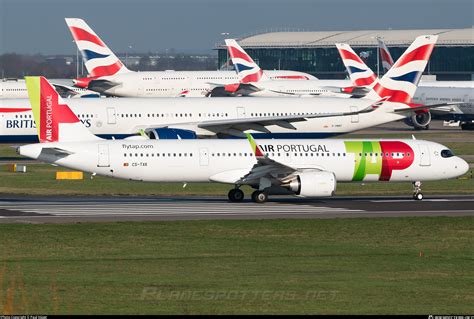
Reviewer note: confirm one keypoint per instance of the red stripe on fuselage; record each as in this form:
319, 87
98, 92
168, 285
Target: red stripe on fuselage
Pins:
13, 110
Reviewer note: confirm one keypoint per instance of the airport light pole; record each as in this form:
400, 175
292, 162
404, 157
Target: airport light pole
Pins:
126, 56
77, 59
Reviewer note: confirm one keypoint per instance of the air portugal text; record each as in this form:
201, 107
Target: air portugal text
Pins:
294, 148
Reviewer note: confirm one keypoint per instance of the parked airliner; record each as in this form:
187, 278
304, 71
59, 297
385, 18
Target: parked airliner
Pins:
16, 89
269, 117
109, 76
461, 92
306, 168
459, 95
254, 82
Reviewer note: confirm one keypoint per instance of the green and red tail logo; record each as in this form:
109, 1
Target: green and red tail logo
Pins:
49, 110
379, 158
255, 148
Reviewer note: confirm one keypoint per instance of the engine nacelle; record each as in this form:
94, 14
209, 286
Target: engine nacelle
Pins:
166, 133
419, 120
313, 184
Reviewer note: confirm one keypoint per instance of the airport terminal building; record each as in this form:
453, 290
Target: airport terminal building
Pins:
316, 53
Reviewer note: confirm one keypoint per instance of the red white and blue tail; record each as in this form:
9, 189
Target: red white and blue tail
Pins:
360, 74
385, 56
247, 70
99, 59
401, 81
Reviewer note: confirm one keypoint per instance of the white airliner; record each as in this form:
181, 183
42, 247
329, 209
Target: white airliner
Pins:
16, 89
307, 168
254, 82
269, 117
108, 75
459, 94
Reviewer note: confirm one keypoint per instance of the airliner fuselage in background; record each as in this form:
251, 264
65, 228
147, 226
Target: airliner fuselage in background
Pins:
268, 117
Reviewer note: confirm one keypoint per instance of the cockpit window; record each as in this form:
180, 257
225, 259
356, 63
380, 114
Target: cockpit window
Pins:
447, 153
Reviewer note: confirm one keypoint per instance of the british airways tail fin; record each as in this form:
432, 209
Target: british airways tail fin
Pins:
247, 70
401, 81
54, 120
385, 56
99, 59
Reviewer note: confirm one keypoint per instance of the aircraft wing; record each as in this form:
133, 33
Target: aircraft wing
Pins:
236, 127
275, 172
422, 107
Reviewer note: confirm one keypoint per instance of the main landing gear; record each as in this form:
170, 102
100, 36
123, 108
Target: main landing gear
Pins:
236, 195
259, 197
417, 194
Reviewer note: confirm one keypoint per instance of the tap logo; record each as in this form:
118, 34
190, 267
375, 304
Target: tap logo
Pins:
379, 158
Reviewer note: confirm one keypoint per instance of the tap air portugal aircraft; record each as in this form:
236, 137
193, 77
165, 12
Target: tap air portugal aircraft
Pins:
254, 82
307, 168
109, 76
163, 118
460, 99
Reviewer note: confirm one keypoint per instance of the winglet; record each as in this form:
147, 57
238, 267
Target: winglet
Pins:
255, 148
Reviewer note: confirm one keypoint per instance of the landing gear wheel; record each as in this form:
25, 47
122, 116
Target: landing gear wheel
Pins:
259, 197
417, 194
235, 195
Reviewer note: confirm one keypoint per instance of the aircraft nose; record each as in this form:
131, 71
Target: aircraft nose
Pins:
462, 166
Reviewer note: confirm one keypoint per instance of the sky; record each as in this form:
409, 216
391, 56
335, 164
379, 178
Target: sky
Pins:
196, 26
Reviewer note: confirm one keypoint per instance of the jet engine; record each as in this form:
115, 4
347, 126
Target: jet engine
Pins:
166, 133
419, 120
313, 184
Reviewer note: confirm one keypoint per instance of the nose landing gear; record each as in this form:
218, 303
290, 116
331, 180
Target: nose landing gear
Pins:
417, 194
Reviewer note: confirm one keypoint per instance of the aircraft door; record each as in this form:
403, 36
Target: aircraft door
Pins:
425, 159
111, 116
355, 117
203, 156
103, 159
240, 112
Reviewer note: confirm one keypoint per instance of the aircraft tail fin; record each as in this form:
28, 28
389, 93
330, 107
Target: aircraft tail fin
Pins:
386, 57
359, 73
54, 120
248, 71
401, 81
99, 59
